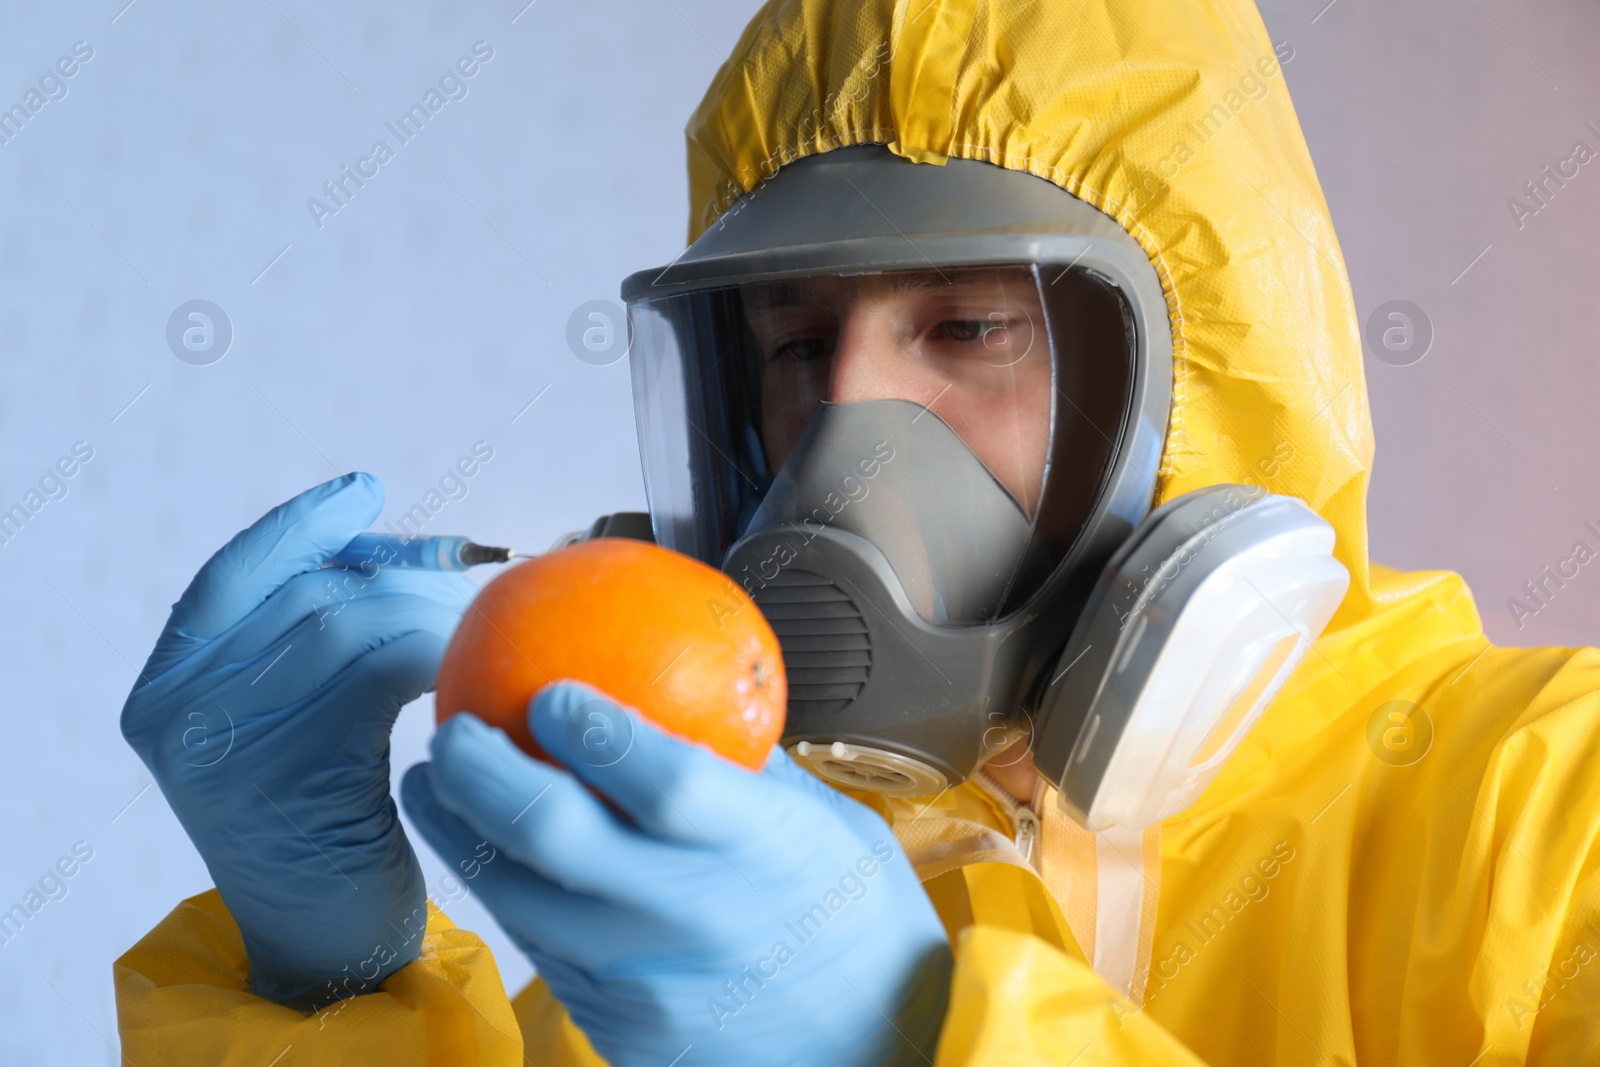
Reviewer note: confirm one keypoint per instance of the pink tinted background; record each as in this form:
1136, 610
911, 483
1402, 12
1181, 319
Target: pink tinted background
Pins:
1424, 117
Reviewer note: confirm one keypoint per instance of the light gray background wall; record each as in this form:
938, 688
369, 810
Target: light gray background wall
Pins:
430, 311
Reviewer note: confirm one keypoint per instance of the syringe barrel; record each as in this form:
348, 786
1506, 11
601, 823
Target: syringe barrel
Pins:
370, 552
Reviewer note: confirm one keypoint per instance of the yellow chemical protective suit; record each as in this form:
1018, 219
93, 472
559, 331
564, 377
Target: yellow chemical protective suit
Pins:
1398, 866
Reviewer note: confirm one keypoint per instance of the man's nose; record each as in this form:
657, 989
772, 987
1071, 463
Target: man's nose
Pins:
868, 361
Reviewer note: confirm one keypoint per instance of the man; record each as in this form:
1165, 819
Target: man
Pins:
973, 287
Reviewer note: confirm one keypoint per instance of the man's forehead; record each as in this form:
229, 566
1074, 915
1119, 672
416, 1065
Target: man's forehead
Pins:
834, 288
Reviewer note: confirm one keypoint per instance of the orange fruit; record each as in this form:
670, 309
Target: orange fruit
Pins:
658, 632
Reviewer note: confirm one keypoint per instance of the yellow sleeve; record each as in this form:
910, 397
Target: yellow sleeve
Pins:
1021, 993
183, 997
553, 1040
1563, 1006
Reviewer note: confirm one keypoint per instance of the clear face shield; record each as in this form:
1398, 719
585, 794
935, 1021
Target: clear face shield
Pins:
939, 414
912, 410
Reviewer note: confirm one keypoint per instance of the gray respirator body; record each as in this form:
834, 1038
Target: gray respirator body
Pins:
933, 607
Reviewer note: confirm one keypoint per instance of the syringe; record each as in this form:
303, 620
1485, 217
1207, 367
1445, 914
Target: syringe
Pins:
438, 553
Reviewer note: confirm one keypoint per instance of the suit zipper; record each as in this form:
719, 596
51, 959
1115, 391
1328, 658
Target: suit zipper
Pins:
1024, 817
1027, 823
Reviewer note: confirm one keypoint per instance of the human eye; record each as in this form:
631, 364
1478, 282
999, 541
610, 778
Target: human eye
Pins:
987, 330
804, 350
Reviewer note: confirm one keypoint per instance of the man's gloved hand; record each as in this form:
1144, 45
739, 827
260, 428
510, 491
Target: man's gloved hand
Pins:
713, 914
264, 714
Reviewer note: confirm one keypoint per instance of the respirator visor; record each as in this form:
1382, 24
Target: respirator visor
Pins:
912, 410
961, 419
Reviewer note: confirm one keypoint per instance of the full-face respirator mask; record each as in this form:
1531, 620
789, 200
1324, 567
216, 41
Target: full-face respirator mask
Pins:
916, 412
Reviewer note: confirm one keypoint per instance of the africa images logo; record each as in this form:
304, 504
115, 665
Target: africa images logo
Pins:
52, 87
452, 85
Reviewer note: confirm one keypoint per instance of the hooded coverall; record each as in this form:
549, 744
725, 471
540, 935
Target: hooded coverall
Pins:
1398, 866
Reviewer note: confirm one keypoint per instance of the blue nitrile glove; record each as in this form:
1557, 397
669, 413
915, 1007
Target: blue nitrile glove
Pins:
736, 919
264, 714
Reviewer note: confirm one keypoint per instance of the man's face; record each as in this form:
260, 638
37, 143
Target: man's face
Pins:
969, 344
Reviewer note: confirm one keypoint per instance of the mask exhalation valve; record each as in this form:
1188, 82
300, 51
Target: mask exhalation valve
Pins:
873, 769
